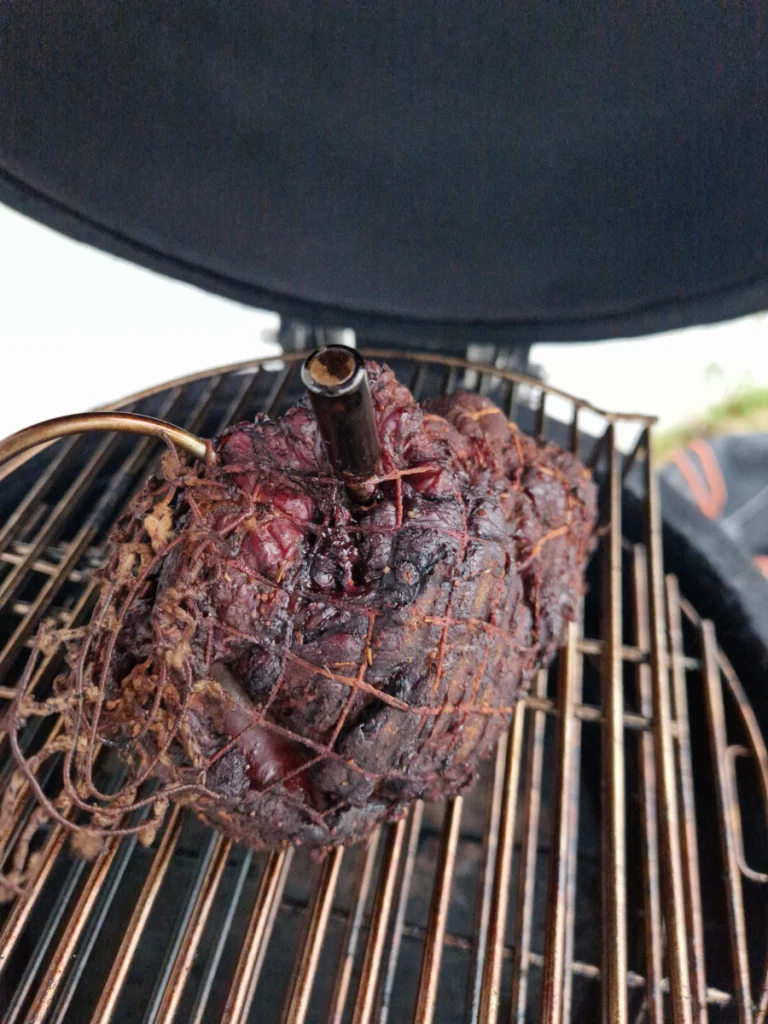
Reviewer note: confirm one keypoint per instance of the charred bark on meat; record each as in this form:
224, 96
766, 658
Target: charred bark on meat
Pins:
297, 664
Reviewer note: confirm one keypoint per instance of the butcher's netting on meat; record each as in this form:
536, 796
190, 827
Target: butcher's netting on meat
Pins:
293, 663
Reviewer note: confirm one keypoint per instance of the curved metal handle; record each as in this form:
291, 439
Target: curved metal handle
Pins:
731, 753
127, 422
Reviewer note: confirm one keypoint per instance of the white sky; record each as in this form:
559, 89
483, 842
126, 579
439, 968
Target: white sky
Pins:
674, 375
79, 328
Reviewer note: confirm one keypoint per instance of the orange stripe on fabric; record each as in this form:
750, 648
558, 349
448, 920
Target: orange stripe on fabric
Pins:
695, 484
712, 473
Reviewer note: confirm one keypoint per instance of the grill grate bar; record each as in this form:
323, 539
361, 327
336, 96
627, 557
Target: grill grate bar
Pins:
574, 439
613, 868
567, 751
541, 414
25, 803
47, 568
204, 993
239, 404
529, 846
599, 449
672, 877
592, 713
93, 924
574, 796
579, 969
694, 915
22, 908
57, 517
416, 818
257, 935
79, 920
26, 507
509, 399
438, 913
491, 986
49, 590
279, 388
648, 806
629, 653
417, 380
638, 454
571, 868
21, 608
41, 948
483, 906
377, 928
30, 523
297, 1003
354, 928
725, 812
168, 988
146, 900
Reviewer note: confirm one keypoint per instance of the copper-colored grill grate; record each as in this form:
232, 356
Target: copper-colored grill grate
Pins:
591, 865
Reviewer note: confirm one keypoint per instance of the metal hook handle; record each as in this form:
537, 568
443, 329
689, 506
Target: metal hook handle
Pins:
127, 422
731, 753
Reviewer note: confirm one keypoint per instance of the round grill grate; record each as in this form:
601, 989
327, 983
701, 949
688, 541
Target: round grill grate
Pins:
602, 859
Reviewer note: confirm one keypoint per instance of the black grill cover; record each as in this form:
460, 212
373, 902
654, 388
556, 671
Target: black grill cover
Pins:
492, 170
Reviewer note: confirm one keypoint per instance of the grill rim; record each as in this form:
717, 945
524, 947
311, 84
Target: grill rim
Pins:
291, 358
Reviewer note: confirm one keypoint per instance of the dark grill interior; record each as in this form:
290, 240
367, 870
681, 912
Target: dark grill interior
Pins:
505, 904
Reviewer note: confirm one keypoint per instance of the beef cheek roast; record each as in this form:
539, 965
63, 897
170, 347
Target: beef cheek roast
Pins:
297, 665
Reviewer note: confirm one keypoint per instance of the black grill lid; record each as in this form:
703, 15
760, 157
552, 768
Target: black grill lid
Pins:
557, 171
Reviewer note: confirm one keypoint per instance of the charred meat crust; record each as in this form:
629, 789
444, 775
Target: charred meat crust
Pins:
309, 665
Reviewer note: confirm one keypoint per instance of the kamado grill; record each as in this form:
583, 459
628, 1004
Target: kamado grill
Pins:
450, 193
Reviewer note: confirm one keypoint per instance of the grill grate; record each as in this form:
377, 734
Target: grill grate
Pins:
520, 901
